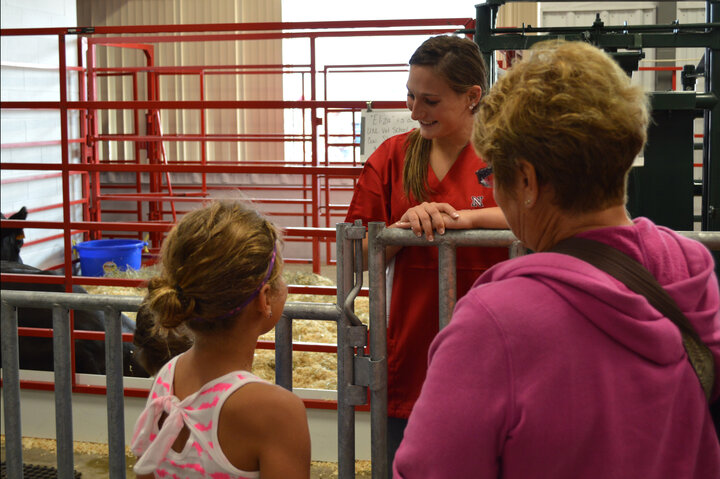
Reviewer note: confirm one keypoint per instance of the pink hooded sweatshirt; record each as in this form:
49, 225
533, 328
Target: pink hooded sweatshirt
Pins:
551, 368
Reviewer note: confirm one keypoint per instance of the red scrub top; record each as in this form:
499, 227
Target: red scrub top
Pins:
413, 319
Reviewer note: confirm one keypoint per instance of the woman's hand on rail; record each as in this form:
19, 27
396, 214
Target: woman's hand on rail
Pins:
482, 218
486, 218
426, 218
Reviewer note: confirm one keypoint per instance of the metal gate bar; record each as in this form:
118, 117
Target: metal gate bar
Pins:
61, 303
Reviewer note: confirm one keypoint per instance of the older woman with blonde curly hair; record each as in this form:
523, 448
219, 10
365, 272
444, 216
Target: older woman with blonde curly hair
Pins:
550, 367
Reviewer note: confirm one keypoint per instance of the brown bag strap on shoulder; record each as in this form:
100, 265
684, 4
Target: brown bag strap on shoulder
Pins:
639, 280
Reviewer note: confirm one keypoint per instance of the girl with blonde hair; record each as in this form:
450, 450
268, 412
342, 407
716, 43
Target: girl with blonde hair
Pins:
207, 415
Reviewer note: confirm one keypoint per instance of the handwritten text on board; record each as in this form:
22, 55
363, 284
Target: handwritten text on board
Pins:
379, 125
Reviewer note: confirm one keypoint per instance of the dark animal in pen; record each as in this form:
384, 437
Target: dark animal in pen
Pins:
37, 353
154, 350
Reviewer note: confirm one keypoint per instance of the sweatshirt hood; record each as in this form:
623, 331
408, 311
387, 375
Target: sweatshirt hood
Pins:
683, 267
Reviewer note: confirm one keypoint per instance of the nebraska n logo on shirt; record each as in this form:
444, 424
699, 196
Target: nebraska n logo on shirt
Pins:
477, 202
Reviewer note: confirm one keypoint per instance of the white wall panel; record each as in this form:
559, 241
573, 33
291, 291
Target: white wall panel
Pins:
574, 14
30, 73
691, 12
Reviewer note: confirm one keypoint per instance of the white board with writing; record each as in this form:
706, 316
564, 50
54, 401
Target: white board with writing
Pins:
379, 125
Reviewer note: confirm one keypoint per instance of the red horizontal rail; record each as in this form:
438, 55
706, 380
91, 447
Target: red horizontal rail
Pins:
207, 138
200, 104
40, 143
178, 187
224, 27
50, 238
133, 283
308, 347
77, 280
82, 388
268, 162
205, 70
660, 69
8, 181
350, 171
143, 393
156, 197
224, 37
39, 66
77, 334
145, 227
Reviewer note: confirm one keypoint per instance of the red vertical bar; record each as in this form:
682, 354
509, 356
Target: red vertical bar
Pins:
64, 151
153, 150
314, 185
94, 207
83, 117
327, 161
203, 144
136, 131
304, 155
65, 162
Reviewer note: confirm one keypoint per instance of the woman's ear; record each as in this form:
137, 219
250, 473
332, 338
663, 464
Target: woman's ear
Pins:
474, 95
528, 183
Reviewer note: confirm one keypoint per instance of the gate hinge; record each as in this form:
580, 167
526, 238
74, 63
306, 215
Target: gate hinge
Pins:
367, 372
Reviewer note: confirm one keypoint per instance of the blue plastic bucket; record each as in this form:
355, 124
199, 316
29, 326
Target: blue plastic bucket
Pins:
99, 256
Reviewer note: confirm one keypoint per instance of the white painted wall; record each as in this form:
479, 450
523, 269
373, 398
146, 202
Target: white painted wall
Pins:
29, 73
576, 14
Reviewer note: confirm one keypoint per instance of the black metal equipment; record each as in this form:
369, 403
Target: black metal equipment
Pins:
663, 189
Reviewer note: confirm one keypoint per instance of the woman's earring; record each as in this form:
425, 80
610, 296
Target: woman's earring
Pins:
472, 107
528, 201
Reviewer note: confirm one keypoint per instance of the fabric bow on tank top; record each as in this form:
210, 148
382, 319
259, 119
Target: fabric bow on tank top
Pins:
157, 447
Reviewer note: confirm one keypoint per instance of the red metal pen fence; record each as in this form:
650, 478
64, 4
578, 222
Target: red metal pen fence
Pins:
149, 197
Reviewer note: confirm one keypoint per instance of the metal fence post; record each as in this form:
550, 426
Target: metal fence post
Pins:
283, 352
11, 390
63, 392
378, 352
447, 282
345, 410
115, 399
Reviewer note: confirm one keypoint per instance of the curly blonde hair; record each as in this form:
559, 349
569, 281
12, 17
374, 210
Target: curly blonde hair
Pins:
212, 261
569, 110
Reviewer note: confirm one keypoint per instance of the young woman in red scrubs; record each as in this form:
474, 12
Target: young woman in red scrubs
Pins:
425, 180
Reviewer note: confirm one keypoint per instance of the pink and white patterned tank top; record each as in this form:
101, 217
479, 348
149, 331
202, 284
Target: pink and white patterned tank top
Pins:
201, 457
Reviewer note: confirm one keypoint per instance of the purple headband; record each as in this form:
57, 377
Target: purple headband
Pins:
237, 309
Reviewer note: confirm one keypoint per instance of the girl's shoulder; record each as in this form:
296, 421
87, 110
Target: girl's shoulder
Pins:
261, 407
266, 414
264, 401
265, 421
